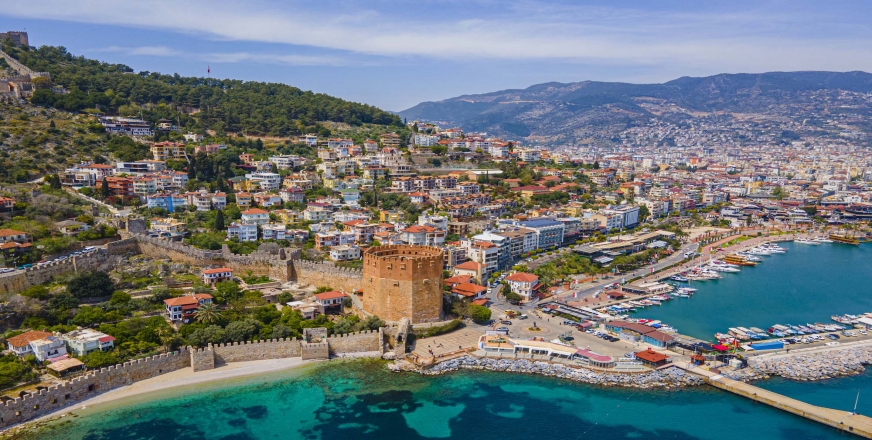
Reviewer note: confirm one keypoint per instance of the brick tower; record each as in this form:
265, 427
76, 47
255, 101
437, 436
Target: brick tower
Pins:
401, 281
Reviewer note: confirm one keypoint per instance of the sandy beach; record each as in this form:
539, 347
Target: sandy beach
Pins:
184, 378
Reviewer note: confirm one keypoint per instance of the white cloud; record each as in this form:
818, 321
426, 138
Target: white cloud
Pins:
234, 57
749, 40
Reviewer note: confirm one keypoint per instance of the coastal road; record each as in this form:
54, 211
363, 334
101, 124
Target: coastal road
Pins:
640, 272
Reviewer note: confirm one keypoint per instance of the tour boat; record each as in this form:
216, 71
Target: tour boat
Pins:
846, 239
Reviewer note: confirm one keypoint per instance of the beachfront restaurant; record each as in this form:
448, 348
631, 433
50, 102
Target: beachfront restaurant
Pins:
501, 344
634, 332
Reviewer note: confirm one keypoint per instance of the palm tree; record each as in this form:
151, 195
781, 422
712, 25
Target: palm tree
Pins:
207, 313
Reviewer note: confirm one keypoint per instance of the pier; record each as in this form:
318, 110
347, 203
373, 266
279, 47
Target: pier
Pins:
843, 420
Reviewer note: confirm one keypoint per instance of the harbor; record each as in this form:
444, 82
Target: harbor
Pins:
788, 293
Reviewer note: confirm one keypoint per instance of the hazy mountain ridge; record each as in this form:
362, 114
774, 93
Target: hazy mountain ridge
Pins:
562, 112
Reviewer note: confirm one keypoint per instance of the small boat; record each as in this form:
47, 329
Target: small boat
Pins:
739, 334
756, 330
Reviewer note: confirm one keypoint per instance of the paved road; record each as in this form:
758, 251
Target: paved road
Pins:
640, 272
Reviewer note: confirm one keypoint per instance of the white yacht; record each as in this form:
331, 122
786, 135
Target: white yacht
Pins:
806, 241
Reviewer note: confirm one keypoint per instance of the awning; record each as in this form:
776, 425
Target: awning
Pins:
720, 347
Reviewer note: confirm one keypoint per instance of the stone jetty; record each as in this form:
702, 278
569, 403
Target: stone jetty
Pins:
807, 365
663, 378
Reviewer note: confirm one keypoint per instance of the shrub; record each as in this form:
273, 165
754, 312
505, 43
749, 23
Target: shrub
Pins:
441, 329
479, 314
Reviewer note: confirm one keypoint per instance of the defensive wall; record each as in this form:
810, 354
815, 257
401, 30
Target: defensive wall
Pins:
14, 282
199, 359
345, 279
79, 388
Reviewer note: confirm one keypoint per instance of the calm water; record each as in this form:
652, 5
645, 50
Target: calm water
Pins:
360, 400
805, 285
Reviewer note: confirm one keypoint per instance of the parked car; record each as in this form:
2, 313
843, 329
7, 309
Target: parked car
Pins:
503, 329
506, 322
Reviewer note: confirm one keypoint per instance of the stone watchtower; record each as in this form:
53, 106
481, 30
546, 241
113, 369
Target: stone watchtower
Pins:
401, 281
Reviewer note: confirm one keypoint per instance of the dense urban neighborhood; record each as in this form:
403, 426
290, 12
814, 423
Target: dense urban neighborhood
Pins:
136, 227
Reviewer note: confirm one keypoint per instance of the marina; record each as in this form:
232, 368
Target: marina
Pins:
793, 287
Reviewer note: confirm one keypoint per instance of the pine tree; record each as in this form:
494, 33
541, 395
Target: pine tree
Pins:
104, 189
219, 220
192, 169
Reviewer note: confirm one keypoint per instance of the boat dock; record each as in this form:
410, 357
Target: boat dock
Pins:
843, 420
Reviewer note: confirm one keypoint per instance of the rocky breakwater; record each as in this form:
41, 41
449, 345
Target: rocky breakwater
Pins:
665, 378
819, 365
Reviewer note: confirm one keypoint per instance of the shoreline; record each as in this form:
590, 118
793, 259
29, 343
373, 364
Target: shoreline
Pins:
179, 379
664, 378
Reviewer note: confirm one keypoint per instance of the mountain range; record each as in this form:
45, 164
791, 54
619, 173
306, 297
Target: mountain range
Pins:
552, 113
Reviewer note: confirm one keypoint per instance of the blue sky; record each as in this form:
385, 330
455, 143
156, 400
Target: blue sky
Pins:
395, 54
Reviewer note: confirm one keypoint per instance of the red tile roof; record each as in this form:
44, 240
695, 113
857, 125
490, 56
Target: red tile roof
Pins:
26, 338
651, 356
187, 299
522, 277
469, 265
218, 270
330, 295
10, 232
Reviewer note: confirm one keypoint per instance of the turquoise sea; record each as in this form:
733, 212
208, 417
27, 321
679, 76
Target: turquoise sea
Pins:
807, 284
361, 400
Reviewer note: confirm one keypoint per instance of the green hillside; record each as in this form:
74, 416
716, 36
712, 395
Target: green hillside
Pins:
198, 104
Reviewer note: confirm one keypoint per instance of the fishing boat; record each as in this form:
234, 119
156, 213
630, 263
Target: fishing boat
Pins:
844, 319
757, 330
843, 238
739, 334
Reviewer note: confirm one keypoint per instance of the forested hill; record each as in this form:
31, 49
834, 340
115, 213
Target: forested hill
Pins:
198, 103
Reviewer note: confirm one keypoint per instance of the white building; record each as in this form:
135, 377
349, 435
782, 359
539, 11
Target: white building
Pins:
83, 341
524, 284
267, 181
256, 216
242, 231
344, 252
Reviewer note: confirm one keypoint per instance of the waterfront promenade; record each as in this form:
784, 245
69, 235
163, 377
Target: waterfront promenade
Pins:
853, 423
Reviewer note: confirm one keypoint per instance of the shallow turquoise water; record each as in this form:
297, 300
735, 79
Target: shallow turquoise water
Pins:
807, 284
360, 399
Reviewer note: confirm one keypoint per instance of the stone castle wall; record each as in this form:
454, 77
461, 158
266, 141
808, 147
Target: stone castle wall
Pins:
95, 382
256, 351
202, 359
17, 281
199, 359
326, 274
